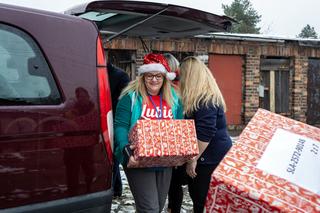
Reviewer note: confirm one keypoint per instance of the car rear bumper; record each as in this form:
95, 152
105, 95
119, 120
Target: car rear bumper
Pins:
89, 203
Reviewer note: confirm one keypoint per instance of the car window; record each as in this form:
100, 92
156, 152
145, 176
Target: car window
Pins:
25, 77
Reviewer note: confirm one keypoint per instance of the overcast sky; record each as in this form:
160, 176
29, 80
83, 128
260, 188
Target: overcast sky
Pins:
279, 17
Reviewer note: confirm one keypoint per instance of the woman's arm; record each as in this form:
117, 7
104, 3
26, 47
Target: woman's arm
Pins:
202, 146
192, 164
205, 121
122, 126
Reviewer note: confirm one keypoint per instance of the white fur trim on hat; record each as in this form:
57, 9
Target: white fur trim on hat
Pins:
171, 75
156, 67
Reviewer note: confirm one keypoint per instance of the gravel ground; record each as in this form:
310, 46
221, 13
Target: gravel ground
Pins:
125, 203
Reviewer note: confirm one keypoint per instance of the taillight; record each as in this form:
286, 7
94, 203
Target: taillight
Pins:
106, 121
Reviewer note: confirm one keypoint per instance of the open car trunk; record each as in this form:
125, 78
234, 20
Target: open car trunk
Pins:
150, 20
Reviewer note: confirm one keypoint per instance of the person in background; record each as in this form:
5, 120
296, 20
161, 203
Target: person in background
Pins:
150, 96
175, 195
179, 176
118, 79
203, 102
174, 64
78, 156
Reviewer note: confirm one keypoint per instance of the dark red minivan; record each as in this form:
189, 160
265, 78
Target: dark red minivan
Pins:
55, 104
55, 114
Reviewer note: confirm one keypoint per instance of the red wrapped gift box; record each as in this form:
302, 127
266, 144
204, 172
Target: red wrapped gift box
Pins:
273, 167
164, 142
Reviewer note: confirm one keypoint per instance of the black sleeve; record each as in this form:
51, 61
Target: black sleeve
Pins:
206, 120
124, 80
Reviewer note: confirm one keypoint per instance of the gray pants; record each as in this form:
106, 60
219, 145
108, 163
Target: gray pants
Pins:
149, 188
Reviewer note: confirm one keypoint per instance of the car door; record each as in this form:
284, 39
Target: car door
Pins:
28, 89
51, 145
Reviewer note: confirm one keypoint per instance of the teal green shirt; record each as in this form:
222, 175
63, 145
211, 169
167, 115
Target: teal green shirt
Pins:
128, 111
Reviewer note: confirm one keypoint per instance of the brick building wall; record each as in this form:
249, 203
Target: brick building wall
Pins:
299, 93
252, 51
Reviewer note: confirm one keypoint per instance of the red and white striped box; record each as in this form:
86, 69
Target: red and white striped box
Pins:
164, 142
273, 167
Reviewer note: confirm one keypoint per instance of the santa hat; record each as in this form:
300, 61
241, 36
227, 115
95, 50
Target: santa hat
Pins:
171, 75
155, 62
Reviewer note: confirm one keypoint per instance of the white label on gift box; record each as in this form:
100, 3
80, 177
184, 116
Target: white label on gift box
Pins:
293, 157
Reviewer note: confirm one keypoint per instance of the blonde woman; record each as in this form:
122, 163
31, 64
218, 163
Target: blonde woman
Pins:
150, 96
203, 102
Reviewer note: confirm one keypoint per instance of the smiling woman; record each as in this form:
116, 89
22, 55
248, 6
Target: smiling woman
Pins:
153, 82
149, 97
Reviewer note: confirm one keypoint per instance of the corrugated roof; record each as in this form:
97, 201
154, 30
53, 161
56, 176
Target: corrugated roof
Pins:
262, 38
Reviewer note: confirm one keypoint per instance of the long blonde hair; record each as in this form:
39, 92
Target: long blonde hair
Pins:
197, 85
138, 86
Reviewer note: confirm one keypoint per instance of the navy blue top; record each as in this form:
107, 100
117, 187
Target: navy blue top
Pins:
211, 127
